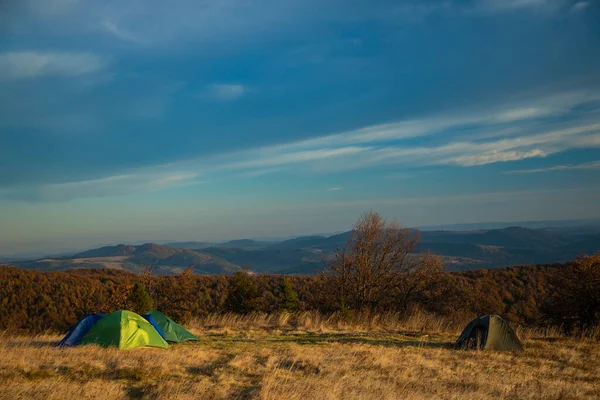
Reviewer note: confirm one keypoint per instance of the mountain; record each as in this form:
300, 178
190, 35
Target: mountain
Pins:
273, 260
165, 260
190, 245
459, 250
575, 225
247, 244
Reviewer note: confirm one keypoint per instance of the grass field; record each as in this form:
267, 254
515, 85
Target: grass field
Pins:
271, 358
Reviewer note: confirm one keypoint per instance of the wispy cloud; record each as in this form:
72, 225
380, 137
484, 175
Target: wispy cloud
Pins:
334, 189
113, 29
580, 6
33, 64
566, 167
225, 92
370, 147
118, 185
512, 5
154, 22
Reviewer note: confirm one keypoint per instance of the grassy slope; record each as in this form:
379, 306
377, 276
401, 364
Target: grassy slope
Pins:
307, 362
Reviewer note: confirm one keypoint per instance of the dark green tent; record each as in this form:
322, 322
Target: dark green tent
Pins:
489, 332
173, 332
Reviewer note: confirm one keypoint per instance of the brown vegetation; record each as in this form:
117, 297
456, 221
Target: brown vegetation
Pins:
375, 272
376, 267
304, 356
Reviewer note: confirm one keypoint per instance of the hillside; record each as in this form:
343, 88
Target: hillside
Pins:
460, 250
164, 260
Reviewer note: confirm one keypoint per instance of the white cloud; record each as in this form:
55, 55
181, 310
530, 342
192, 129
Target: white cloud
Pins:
567, 167
112, 28
387, 146
33, 64
522, 113
225, 92
494, 157
267, 158
206, 23
334, 189
529, 109
510, 5
140, 182
580, 6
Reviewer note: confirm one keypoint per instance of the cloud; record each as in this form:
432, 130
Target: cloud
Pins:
268, 158
210, 22
381, 145
33, 64
119, 185
567, 167
493, 6
225, 92
334, 189
494, 157
528, 110
112, 28
580, 6
523, 113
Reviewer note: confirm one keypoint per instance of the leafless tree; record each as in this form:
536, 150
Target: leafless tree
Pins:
367, 270
423, 275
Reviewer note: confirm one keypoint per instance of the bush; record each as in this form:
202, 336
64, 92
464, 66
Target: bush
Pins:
242, 295
575, 301
139, 299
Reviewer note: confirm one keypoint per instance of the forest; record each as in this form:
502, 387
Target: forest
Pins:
376, 271
35, 301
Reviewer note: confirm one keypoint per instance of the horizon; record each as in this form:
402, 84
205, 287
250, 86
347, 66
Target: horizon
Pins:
457, 227
223, 121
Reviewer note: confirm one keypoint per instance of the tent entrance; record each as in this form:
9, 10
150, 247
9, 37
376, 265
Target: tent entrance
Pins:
477, 338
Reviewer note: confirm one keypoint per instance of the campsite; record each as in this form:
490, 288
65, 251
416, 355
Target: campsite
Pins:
299, 199
304, 356
411, 330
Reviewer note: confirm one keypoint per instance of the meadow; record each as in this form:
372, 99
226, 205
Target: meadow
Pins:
307, 356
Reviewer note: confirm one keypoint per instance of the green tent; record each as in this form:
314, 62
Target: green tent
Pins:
172, 331
489, 332
125, 330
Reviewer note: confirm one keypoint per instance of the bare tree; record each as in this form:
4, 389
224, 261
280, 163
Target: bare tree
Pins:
365, 272
422, 275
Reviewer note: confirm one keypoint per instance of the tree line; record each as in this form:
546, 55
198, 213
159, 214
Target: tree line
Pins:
376, 271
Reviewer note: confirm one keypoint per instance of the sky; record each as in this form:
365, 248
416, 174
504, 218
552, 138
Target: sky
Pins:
138, 120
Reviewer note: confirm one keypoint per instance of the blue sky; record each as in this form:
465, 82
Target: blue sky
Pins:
210, 120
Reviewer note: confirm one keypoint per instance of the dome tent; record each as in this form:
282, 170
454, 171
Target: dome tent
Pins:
489, 332
125, 330
79, 331
172, 331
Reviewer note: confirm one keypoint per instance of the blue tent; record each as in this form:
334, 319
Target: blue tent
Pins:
79, 330
153, 322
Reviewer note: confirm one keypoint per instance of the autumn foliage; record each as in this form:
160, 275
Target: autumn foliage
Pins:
376, 272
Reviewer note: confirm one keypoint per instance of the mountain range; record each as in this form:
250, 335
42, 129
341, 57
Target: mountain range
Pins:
459, 250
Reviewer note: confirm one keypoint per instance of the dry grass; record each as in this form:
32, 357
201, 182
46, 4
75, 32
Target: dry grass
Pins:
306, 356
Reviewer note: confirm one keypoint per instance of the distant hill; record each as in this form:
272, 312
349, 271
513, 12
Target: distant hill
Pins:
247, 244
190, 245
164, 260
460, 250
